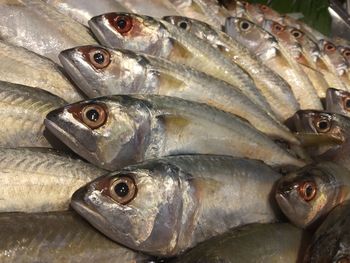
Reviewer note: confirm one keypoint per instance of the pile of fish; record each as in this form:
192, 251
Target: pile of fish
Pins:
171, 131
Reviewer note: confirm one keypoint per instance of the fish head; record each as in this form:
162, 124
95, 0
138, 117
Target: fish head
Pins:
250, 35
269, 13
108, 132
140, 207
338, 101
306, 195
100, 71
330, 50
181, 22
131, 31
345, 51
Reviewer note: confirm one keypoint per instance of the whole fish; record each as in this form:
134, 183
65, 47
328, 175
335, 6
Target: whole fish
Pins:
275, 89
125, 72
82, 11
115, 131
38, 27
331, 241
18, 65
275, 56
303, 89
338, 101
57, 237
165, 206
263, 243
308, 195
23, 110
160, 38
47, 178
155, 8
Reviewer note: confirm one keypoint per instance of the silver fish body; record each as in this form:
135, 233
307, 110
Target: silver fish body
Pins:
40, 28
263, 243
57, 237
40, 180
23, 110
155, 8
125, 72
160, 38
115, 131
20, 66
165, 206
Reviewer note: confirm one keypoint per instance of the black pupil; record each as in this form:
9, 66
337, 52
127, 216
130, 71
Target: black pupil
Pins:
309, 190
121, 189
347, 103
323, 125
245, 25
296, 34
121, 23
183, 25
99, 58
92, 115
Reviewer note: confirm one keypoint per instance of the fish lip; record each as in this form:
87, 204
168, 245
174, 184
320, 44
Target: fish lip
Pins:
287, 209
97, 31
229, 25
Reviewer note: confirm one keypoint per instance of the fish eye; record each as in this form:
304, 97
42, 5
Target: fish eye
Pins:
307, 190
123, 189
346, 104
323, 125
99, 58
296, 33
346, 53
94, 116
277, 28
263, 7
123, 24
244, 25
184, 25
329, 47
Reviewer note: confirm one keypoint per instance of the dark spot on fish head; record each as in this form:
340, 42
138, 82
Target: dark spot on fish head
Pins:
328, 47
98, 57
263, 8
179, 21
93, 115
297, 34
123, 23
345, 51
277, 28
245, 25
307, 190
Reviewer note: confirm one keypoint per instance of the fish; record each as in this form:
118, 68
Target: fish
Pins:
338, 101
20, 66
330, 243
275, 89
115, 131
264, 243
303, 89
273, 55
160, 38
155, 8
48, 179
165, 206
244, 9
309, 194
82, 11
38, 27
23, 110
126, 72
57, 237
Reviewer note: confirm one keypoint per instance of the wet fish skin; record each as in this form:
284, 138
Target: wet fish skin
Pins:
126, 72
179, 201
20, 66
264, 243
23, 110
38, 27
131, 129
307, 195
338, 101
160, 38
57, 237
47, 178
330, 242
82, 11
276, 91
155, 8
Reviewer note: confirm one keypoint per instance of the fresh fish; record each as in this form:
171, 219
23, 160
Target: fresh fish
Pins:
275, 56
165, 206
82, 11
23, 110
243, 9
263, 243
307, 195
331, 242
18, 65
160, 38
276, 91
40, 28
57, 237
338, 101
125, 72
303, 89
115, 131
47, 178
155, 8
208, 11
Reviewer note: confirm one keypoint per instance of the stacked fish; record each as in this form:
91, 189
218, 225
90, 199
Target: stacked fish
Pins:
174, 139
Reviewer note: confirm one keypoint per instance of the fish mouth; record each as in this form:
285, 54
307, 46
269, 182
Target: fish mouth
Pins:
230, 26
288, 209
97, 30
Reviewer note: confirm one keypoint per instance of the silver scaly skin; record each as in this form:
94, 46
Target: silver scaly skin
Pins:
115, 131
165, 206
